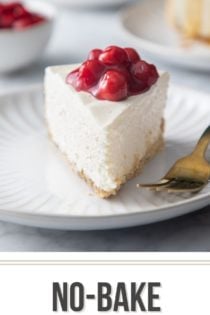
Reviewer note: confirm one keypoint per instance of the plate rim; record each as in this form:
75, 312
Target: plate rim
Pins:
95, 217
88, 223
157, 48
38, 87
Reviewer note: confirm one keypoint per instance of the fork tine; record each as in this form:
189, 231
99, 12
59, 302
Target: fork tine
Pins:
189, 190
162, 183
182, 187
189, 173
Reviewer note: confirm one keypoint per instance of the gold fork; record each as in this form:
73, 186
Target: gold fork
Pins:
189, 174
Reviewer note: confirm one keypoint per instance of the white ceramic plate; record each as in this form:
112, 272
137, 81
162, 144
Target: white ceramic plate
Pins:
38, 188
145, 27
88, 3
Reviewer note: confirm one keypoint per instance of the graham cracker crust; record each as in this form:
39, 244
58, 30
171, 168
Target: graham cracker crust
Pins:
137, 168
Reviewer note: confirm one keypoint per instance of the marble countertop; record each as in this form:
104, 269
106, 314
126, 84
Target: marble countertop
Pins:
75, 34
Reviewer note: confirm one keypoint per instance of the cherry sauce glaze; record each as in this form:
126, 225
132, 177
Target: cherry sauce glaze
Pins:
14, 15
113, 74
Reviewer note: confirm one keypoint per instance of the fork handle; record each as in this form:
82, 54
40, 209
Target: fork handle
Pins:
202, 144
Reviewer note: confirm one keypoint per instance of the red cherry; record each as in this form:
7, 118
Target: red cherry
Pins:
27, 20
72, 77
92, 66
6, 20
113, 55
94, 54
1, 8
20, 11
137, 87
113, 86
154, 75
126, 73
11, 6
132, 54
89, 74
145, 72
141, 70
36, 19
23, 22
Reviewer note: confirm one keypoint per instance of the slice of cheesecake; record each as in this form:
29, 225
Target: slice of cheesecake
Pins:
106, 141
191, 17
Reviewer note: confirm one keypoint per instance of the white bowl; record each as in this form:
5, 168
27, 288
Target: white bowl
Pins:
20, 48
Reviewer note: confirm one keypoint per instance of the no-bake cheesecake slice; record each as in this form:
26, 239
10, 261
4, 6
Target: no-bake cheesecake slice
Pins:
191, 17
106, 115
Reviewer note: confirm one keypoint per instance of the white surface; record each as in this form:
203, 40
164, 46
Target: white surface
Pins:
188, 233
33, 174
90, 269
103, 139
145, 27
23, 47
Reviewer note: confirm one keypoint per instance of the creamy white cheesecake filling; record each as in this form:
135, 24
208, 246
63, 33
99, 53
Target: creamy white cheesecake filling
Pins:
102, 139
193, 17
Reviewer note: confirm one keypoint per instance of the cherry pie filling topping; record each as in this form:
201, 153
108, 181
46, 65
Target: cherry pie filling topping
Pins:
113, 74
14, 15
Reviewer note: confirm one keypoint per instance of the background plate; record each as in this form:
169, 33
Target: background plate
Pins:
38, 188
89, 3
145, 27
